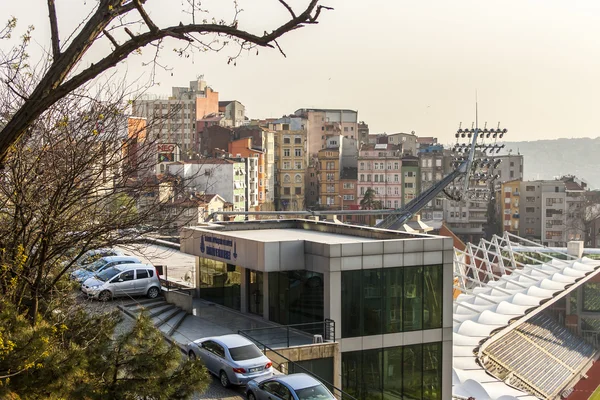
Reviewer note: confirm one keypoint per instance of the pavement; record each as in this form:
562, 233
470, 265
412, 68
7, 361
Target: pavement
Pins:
178, 265
209, 319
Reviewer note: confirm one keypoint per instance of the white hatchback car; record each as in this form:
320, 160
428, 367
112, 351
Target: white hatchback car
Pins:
123, 280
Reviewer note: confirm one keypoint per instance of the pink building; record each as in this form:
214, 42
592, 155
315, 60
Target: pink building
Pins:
380, 168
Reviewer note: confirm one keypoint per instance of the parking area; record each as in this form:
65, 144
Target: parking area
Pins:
179, 266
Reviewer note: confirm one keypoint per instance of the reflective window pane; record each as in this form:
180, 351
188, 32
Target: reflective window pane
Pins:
413, 297
393, 299
432, 371
351, 303
412, 373
372, 301
392, 373
432, 297
296, 297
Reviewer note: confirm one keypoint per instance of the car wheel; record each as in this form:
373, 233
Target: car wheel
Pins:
192, 355
153, 292
251, 396
105, 296
224, 379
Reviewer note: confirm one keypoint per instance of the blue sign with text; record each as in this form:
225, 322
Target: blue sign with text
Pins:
207, 247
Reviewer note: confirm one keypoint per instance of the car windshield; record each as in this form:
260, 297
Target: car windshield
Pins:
313, 392
244, 353
96, 265
108, 274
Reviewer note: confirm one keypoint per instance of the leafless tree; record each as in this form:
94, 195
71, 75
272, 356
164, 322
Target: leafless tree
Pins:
111, 20
80, 178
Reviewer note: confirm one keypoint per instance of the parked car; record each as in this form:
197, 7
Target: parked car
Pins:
123, 280
81, 274
288, 387
92, 255
233, 358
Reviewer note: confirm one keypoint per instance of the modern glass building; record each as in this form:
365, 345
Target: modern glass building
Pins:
389, 293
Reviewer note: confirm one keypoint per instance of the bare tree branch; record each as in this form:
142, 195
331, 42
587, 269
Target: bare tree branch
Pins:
111, 38
56, 82
286, 5
54, 30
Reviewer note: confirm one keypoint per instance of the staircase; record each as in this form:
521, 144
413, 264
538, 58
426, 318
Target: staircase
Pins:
165, 316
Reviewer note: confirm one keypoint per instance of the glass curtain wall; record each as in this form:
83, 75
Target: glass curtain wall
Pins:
296, 297
255, 291
220, 283
392, 300
403, 372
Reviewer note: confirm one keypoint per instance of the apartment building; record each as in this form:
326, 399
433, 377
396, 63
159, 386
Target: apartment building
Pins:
408, 141
380, 168
173, 119
225, 177
233, 113
291, 160
509, 169
553, 210
323, 123
411, 186
330, 160
509, 205
435, 163
243, 148
348, 180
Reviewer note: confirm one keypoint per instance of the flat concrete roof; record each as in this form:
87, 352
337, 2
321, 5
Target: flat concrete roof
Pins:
287, 234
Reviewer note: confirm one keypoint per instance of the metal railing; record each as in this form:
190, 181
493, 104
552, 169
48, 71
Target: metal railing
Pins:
291, 365
295, 334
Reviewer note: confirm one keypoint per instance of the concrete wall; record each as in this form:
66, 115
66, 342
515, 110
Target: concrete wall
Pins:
310, 352
182, 300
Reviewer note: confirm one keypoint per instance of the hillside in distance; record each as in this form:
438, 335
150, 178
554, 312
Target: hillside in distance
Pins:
547, 159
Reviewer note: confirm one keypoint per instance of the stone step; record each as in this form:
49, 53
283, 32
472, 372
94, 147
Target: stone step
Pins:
142, 301
148, 306
156, 311
173, 323
163, 317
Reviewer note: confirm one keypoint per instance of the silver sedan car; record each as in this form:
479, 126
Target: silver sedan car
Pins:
288, 387
233, 358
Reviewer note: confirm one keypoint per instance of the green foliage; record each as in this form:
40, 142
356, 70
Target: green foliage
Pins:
73, 355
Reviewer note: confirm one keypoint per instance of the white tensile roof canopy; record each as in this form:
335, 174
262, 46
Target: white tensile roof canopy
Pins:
501, 286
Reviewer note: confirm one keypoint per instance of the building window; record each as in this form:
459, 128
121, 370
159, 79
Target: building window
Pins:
286, 191
362, 165
330, 177
330, 165
412, 300
396, 190
529, 188
297, 140
286, 293
286, 152
348, 185
298, 152
286, 140
401, 372
286, 178
408, 185
396, 178
298, 164
348, 197
287, 165
298, 190
529, 209
362, 190
225, 292
298, 178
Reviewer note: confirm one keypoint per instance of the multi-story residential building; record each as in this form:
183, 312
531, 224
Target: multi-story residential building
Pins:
410, 179
173, 119
221, 176
291, 161
329, 177
509, 169
530, 213
379, 168
509, 205
553, 211
348, 180
243, 148
322, 123
233, 112
194, 210
363, 133
408, 141
435, 163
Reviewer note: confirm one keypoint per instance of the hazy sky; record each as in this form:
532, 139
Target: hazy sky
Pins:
404, 65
